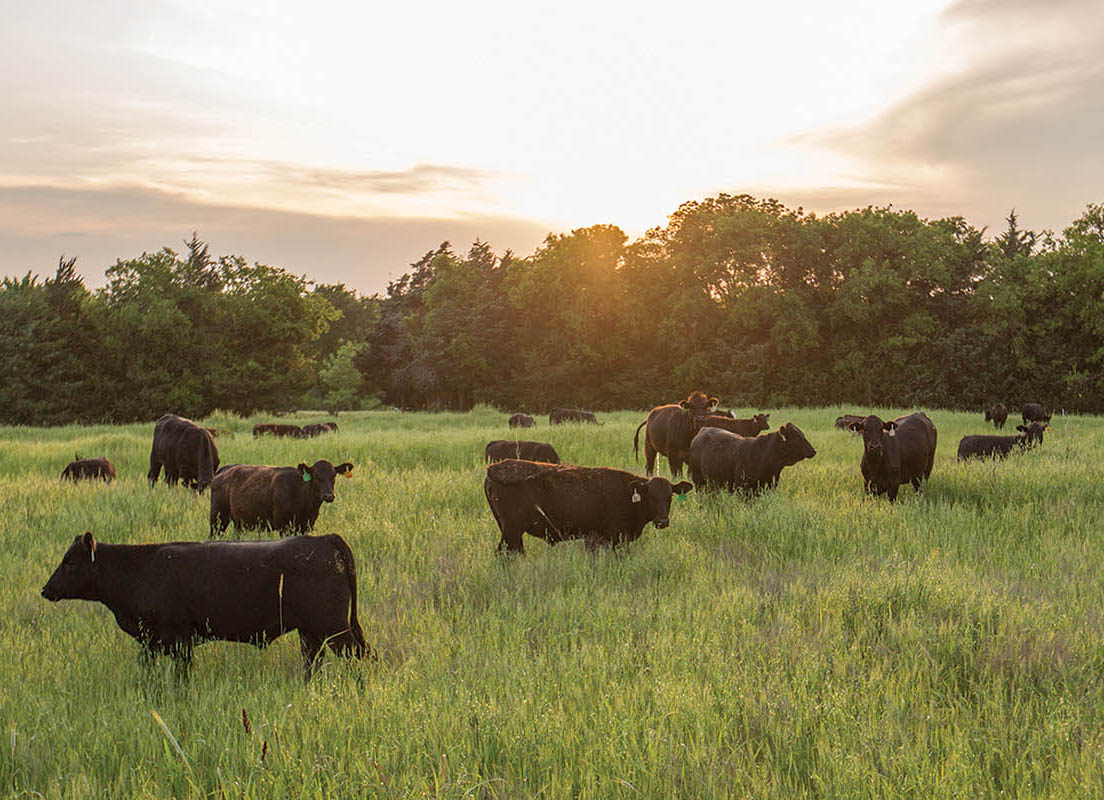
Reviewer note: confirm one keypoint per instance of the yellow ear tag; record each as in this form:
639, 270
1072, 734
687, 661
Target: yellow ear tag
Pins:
636, 496
349, 474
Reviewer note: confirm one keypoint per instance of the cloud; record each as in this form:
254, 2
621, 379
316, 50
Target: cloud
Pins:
1020, 125
37, 224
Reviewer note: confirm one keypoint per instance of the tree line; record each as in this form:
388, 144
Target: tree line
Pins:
764, 305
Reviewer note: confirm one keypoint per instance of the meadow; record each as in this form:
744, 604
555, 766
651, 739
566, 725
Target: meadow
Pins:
809, 643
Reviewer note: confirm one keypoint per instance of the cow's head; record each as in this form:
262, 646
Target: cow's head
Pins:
320, 478
793, 444
1033, 433
698, 406
75, 576
875, 432
762, 421
655, 494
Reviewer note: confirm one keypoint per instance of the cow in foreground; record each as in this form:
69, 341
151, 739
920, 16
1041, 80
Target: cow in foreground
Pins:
89, 469
601, 505
501, 449
280, 498
562, 415
186, 451
997, 415
741, 427
1034, 412
896, 451
522, 421
1000, 446
171, 597
719, 458
670, 429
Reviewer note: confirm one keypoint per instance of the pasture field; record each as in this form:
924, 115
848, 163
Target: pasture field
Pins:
808, 643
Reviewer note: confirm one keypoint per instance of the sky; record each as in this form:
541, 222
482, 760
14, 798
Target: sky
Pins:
343, 140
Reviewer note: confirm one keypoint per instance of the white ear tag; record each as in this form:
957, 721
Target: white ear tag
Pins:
892, 431
636, 496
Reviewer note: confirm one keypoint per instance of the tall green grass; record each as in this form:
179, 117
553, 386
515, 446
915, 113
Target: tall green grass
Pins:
809, 643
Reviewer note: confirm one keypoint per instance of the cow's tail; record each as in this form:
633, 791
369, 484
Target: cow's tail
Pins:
636, 441
361, 647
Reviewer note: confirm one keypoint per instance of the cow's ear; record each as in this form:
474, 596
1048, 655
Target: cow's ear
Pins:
856, 426
714, 402
782, 434
1021, 428
684, 405
638, 488
304, 472
89, 542
682, 487
345, 469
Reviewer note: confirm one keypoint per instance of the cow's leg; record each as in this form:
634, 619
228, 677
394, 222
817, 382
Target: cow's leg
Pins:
511, 541
675, 462
891, 492
649, 457
155, 468
311, 647
220, 519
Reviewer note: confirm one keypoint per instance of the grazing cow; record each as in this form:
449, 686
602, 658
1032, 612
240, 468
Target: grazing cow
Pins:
600, 505
562, 415
896, 452
522, 421
317, 429
281, 498
1000, 446
281, 431
721, 458
845, 421
186, 451
331, 425
741, 427
89, 469
997, 415
670, 429
1034, 412
501, 449
171, 597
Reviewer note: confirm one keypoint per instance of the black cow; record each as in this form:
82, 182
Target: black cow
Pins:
600, 505
670, 429
522, 421
280, 431
741, 427
186, 451
997, 415
721, 458
845, 420
281, 498
173, 596
562, 415
501, 449
89, 469
1034, 412
896, 452
317, 429
1000, 446
331, 425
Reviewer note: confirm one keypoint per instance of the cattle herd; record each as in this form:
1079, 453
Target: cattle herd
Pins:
172, 596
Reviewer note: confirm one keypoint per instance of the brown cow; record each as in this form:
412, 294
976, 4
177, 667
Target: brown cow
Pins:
601, 505
741, 427
89, 469
281, 498
670, 429
185, 450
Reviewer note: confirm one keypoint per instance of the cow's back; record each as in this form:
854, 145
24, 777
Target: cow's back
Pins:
915, 439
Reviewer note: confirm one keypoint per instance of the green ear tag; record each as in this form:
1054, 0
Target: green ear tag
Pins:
681, 497
306, 477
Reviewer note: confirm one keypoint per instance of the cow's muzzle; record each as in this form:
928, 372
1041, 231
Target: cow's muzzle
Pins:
46, 593
328, 498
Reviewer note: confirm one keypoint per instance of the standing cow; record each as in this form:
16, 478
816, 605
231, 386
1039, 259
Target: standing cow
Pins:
670, 429
185, 450
601, 505
1034, 412
896, 452
741, 427
721, 458
1000, 446
522, 421
173, 596
281, 498
501, 449
997, 415
89, 469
